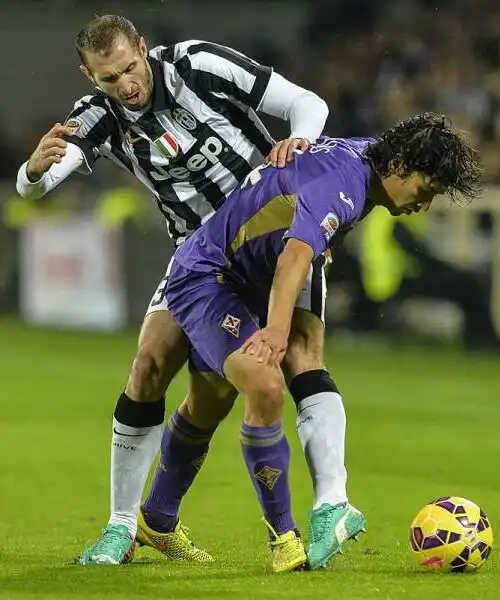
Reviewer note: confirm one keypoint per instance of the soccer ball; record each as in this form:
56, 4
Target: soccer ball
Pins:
451, 534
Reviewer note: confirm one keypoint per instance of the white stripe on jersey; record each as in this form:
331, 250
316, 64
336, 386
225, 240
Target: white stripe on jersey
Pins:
224, 68
92, 117
186, 193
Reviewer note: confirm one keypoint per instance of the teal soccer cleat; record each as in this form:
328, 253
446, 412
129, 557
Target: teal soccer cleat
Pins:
114, 547
329, 527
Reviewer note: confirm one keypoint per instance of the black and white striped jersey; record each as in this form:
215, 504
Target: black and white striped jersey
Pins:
196, 141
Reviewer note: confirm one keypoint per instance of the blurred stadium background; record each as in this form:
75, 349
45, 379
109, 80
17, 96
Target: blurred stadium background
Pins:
373, 62
424, 421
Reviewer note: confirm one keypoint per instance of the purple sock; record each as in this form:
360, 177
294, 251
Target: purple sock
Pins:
183, 450
267, 456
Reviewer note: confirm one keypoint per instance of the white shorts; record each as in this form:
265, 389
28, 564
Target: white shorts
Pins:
312, 297
158, 301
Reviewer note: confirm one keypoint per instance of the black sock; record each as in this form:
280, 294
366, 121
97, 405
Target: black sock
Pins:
139, 414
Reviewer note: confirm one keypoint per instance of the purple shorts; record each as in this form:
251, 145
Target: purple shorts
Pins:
215, 319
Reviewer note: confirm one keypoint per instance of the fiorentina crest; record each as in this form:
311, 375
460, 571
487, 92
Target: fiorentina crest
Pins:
231, 324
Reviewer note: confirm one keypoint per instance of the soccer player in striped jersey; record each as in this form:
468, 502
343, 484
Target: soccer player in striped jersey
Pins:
183, 120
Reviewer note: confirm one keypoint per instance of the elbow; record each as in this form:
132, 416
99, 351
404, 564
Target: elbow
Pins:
27, 190
317, 105
21, 191
27, 193
311, 102
296, 255
322, 107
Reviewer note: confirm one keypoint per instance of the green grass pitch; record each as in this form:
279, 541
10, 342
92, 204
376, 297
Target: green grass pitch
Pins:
421, 424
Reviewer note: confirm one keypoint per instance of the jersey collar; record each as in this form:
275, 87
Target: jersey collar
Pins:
160, 100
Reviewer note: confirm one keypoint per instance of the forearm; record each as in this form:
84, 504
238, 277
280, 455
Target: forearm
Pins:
305, 111
289, 278
49, 180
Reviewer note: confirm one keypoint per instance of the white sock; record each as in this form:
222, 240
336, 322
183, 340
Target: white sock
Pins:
321, 424
133, 450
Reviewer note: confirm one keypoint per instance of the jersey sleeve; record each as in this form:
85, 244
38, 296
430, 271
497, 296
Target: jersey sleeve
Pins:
305, 111
58, 172
319, 214
91, 122
223, 70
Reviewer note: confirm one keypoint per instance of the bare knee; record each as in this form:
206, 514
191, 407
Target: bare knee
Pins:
162, 352
209, 400
262, 388
205, 417
146, 375
264, 399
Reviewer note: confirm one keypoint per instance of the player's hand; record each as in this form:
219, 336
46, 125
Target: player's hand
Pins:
50, 150
328, 256
283, 152
267, 345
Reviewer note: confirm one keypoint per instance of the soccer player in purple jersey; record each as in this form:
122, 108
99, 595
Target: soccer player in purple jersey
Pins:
233, 286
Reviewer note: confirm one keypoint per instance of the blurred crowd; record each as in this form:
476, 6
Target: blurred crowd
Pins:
374, 63
379, 61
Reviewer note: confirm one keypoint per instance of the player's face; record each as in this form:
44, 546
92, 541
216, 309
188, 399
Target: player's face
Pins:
407, 195
124, 73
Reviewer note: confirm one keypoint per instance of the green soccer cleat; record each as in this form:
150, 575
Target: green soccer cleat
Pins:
329, 527
114, 547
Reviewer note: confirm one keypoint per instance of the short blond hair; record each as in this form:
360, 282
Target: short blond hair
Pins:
100, 34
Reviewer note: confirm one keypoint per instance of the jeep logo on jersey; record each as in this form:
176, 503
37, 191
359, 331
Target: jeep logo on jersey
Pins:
205, 157
185, 119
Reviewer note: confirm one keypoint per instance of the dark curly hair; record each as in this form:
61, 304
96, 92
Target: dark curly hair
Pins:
428, 144
100, 34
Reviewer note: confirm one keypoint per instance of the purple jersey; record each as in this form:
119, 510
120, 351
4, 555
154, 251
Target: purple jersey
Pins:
316, 197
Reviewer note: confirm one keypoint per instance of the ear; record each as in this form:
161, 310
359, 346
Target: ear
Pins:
143, 48
396, 167
87, 74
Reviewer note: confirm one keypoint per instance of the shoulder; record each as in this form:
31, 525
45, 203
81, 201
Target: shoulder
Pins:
355, 148
344, 157
335, 179
332, 159
91, 113
97, 101
353, 178
180, 50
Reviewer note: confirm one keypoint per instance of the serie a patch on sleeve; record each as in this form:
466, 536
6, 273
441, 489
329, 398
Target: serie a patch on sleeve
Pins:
329, 226
73, 124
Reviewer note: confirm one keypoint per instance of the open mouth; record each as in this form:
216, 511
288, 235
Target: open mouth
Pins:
133, 98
